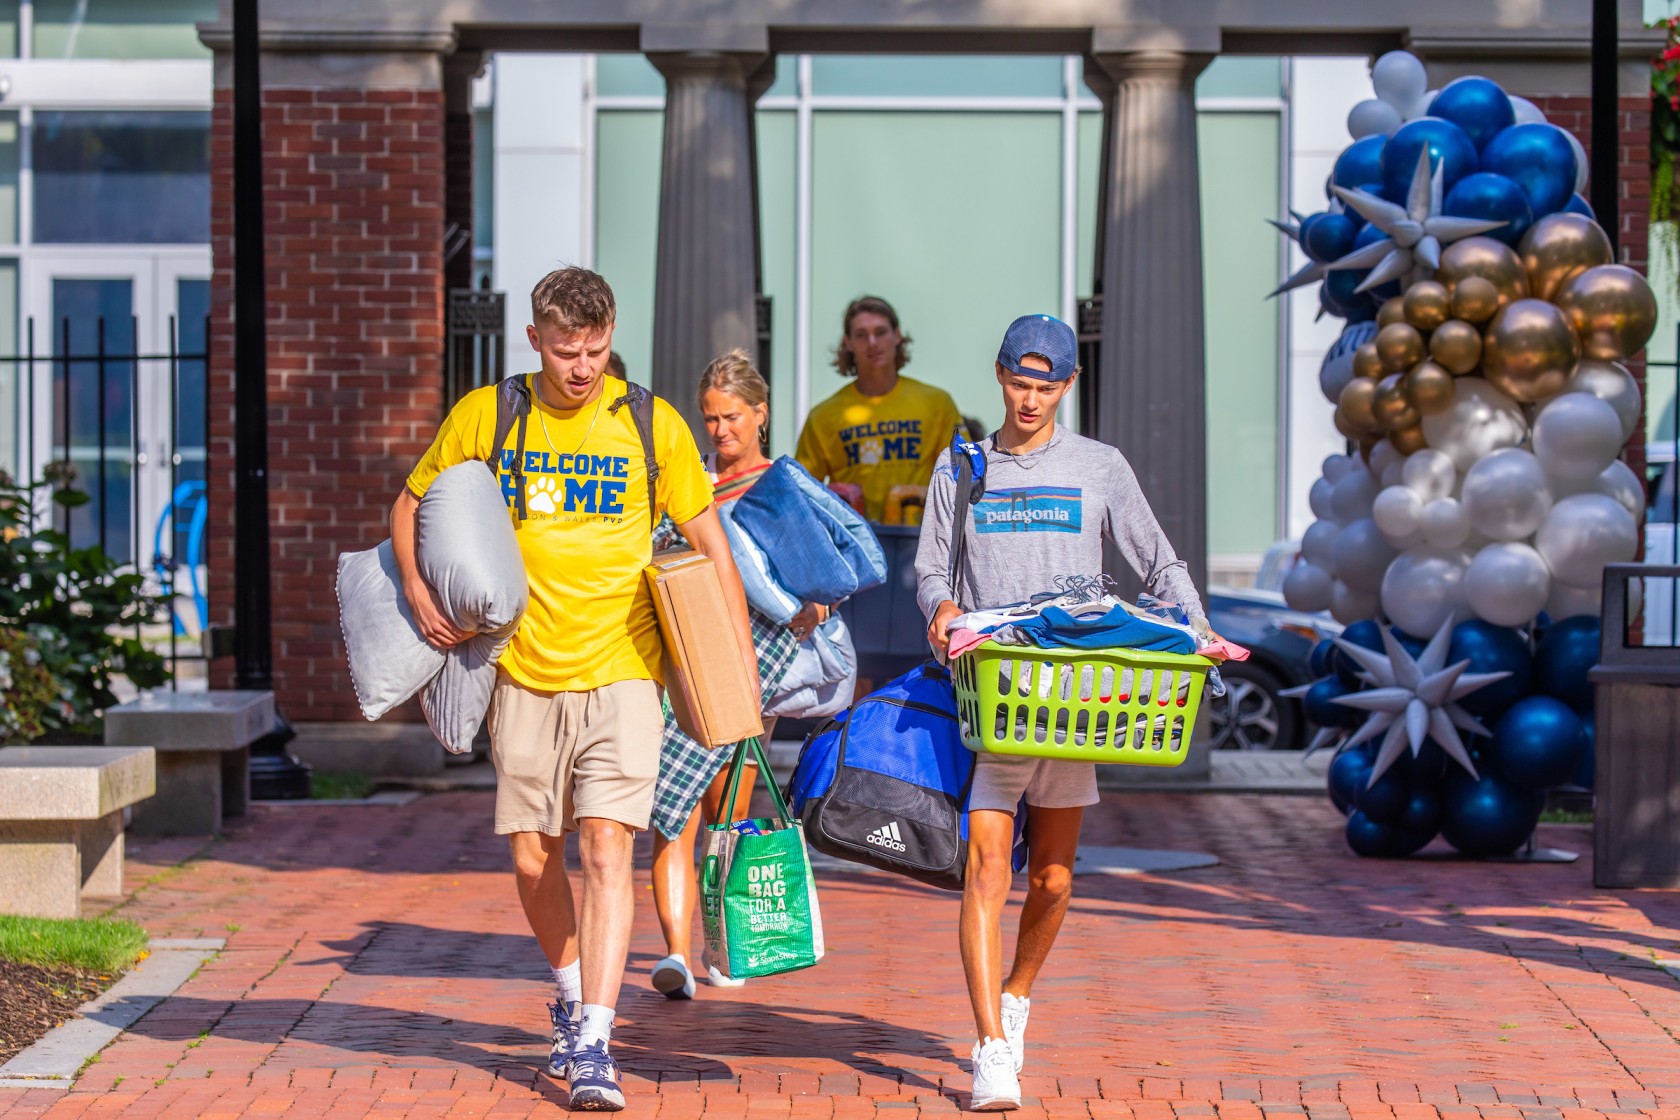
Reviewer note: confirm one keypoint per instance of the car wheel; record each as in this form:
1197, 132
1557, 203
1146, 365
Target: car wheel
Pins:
1251, 716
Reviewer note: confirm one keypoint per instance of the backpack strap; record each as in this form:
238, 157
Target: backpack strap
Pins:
641, 401
969, 490
513, 407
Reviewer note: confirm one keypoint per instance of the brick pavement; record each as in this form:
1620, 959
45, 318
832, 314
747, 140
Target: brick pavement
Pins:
377, 963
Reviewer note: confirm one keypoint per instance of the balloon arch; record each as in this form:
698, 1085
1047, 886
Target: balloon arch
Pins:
1463, 547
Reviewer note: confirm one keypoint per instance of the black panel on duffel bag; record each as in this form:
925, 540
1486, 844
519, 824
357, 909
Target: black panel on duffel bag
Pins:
891, 824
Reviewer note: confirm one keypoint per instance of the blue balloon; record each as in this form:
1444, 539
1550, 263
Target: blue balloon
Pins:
1413, 646
1492, 198
1360, 162
1579, 205
1429, 765
1539, 159
1370, 235
1423, 811
1567, 650
1387, 797
1538, 743
1321, 662
1320, 707
1489, 816
1449, 148
1492, 649
1586, 773
1339, 296
1476, 105
1328, 237
1378, 840
1349, 771
1365, 634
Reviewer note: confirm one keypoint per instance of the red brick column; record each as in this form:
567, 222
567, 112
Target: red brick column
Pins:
355, 212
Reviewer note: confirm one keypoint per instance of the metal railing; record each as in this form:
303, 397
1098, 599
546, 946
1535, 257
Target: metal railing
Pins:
475, 341
129, 429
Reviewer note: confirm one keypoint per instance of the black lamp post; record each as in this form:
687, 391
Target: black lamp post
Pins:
1606, 138
275, 774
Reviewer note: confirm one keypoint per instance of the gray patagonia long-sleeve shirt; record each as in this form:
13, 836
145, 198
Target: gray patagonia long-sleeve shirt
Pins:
1043, 515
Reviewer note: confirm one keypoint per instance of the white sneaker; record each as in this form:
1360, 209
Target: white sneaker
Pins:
996, 1088
1015, 1026
717, 979
672, 979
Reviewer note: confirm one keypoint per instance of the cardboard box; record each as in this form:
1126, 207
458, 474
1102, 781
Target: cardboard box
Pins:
707, 674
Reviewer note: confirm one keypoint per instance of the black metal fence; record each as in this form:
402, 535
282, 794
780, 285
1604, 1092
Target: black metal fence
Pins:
475, 341
129, 429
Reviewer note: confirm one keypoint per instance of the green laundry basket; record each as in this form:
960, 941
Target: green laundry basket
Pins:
1107, 705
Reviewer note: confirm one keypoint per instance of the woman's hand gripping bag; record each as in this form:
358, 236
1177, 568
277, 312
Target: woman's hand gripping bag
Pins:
468, 552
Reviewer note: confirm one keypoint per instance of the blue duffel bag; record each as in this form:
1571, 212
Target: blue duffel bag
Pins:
885, 783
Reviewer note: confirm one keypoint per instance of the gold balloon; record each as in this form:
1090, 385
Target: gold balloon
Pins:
1558, 248
1348, 430
1391, 407
1611, 308
1399, 346
1392, 311
1366, 363
1429, 388
1529, 351
1475, 300
1355, 404
1408, 441
1456, 345
1487, 258
1428, 305
1368, 444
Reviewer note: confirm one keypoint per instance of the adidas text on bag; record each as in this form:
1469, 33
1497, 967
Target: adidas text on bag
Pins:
886, 837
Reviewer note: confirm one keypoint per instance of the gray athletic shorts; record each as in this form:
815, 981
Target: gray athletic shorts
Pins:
1049, 783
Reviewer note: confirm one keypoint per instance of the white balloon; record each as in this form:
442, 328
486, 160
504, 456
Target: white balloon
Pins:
1318, 499
1444, 523
1507, 584
1611, 383
1481, 419
1307, 588
1431, 473
1505, 495
1567, 602
1372, 117
1580, 160
1398, 512
1420, 107
1527, 111
1336, 467
1399, 79
1360, 555
1394, 474
1576, 436
1348, 605
1352, 497
1619, 482
1582, 534
1423, 589
1317, 543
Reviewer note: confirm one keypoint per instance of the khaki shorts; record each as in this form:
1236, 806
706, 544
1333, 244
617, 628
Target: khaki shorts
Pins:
561, 756
1048, 783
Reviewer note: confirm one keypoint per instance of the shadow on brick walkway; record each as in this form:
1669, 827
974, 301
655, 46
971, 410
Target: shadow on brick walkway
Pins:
377, 961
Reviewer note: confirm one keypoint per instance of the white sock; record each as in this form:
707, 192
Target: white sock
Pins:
568, 981
597, 1025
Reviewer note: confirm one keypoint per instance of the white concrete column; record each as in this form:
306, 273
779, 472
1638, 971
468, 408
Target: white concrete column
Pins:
705, 271
1152, 404
541, 174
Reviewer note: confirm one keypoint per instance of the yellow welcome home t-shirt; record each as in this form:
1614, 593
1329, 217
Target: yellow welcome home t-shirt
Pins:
878, 442
587, 535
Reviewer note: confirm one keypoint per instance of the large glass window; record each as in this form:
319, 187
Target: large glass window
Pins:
946, 75
93, 394
627, 159
122, 178
8, 28
120, 28
11, 151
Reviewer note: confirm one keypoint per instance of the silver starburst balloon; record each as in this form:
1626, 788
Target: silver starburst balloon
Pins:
1416, 232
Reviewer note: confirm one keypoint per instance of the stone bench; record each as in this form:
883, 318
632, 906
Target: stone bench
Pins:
61, 824
203, 743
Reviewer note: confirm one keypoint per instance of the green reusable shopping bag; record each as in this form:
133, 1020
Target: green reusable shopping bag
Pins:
758, 899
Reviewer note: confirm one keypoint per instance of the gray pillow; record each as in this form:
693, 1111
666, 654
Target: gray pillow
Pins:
467, 552
389, 660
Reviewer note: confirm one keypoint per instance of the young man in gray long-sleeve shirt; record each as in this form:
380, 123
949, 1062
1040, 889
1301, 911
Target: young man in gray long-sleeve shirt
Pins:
1049, 497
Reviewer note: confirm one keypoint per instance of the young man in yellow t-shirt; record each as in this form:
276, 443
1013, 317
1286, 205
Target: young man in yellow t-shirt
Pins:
884, 429
575, 724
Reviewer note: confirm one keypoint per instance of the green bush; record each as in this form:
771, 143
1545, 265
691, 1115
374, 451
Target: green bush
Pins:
67, 617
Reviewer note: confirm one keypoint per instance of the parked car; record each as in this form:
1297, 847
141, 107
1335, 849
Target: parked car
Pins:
1252, 716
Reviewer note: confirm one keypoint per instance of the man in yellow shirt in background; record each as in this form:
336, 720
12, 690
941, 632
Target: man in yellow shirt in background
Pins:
884, 429
575, 724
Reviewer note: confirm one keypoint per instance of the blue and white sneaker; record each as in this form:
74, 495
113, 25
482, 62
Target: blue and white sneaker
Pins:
593, 1078
566, 1018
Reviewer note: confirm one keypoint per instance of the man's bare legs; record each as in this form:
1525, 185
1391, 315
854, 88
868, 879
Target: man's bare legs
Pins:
1055, 840
609, 905
539, 868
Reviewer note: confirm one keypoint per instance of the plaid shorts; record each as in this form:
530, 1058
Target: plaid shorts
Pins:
685, 767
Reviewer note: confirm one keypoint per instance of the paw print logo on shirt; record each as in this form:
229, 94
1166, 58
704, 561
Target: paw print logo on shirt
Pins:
540, 494
869, 452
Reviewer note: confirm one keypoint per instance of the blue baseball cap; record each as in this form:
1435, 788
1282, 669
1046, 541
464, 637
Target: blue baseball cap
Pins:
1046, 336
